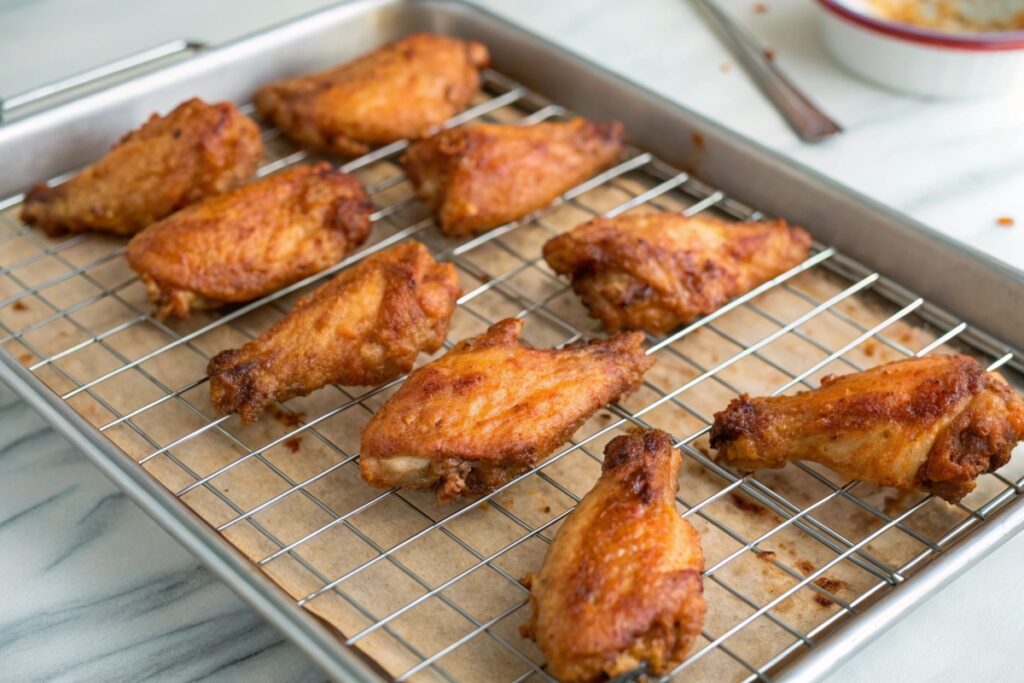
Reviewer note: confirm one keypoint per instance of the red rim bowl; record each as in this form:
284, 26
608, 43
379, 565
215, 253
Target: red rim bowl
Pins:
976, 42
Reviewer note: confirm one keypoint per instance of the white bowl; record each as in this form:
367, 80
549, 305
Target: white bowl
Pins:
920, 60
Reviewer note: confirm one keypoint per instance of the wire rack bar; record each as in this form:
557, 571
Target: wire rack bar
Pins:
767, 502
454, 515
643, 181
933, 547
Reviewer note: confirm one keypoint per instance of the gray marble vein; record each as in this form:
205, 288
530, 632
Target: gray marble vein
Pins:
91, 589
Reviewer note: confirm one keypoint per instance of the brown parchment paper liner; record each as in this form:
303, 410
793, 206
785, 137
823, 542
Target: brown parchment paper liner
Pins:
474, 621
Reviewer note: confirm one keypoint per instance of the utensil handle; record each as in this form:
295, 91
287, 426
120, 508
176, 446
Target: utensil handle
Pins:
803, 116
13, 102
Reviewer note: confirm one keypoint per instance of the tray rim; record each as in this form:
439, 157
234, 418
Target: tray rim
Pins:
315, 639
188, 529
1002, 281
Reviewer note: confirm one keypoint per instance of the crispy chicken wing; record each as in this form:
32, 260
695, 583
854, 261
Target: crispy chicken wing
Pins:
932, 424
196, 151
402, 90
657, 271
621, 584
491, 408
252, 240
366, 326
480, 176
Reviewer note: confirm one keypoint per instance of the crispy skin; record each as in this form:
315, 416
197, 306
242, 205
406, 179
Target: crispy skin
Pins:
198, 150
491, 408
621, 583
402, 90
366, 326
252, 240
932, 424
657, 271
480, 176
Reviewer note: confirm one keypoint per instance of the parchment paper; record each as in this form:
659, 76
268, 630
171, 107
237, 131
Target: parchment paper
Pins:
505, 277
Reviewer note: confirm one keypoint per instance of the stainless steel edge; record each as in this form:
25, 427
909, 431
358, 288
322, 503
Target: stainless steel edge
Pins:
982, 292
55, 140
846, 640
977, 288
248, 582
12, 105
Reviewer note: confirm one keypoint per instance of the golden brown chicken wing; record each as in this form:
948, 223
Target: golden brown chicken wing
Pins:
621, 584
480, 176
402, 90
491, 408
198, 150
657, 271
252, 240
366, 326
932, 424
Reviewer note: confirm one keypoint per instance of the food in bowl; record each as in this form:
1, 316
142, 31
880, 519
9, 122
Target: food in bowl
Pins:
955, 16
924, 60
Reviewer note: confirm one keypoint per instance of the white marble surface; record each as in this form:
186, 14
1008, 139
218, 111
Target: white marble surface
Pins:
93, 590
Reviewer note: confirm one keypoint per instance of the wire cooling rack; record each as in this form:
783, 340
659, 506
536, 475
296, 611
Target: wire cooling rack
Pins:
432, 592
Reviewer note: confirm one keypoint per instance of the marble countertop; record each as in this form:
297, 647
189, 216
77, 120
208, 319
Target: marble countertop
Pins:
94, 590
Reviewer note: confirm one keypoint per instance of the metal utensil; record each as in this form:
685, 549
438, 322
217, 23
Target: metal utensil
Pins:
858, 241
802, 115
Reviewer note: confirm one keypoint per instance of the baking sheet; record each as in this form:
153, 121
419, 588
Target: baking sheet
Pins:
502, 277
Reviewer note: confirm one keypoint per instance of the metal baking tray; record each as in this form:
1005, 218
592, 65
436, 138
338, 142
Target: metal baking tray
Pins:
802, 569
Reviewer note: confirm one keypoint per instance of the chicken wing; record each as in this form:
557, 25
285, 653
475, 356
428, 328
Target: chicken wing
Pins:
657, 271
252, 240
480, 176
621, 584
196, 151
366, 326
402, 90
932, 424
491, 408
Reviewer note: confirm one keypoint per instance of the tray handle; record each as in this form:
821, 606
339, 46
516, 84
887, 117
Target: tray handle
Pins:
152, 54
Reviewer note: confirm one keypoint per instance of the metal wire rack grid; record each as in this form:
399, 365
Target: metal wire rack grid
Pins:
82, 355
